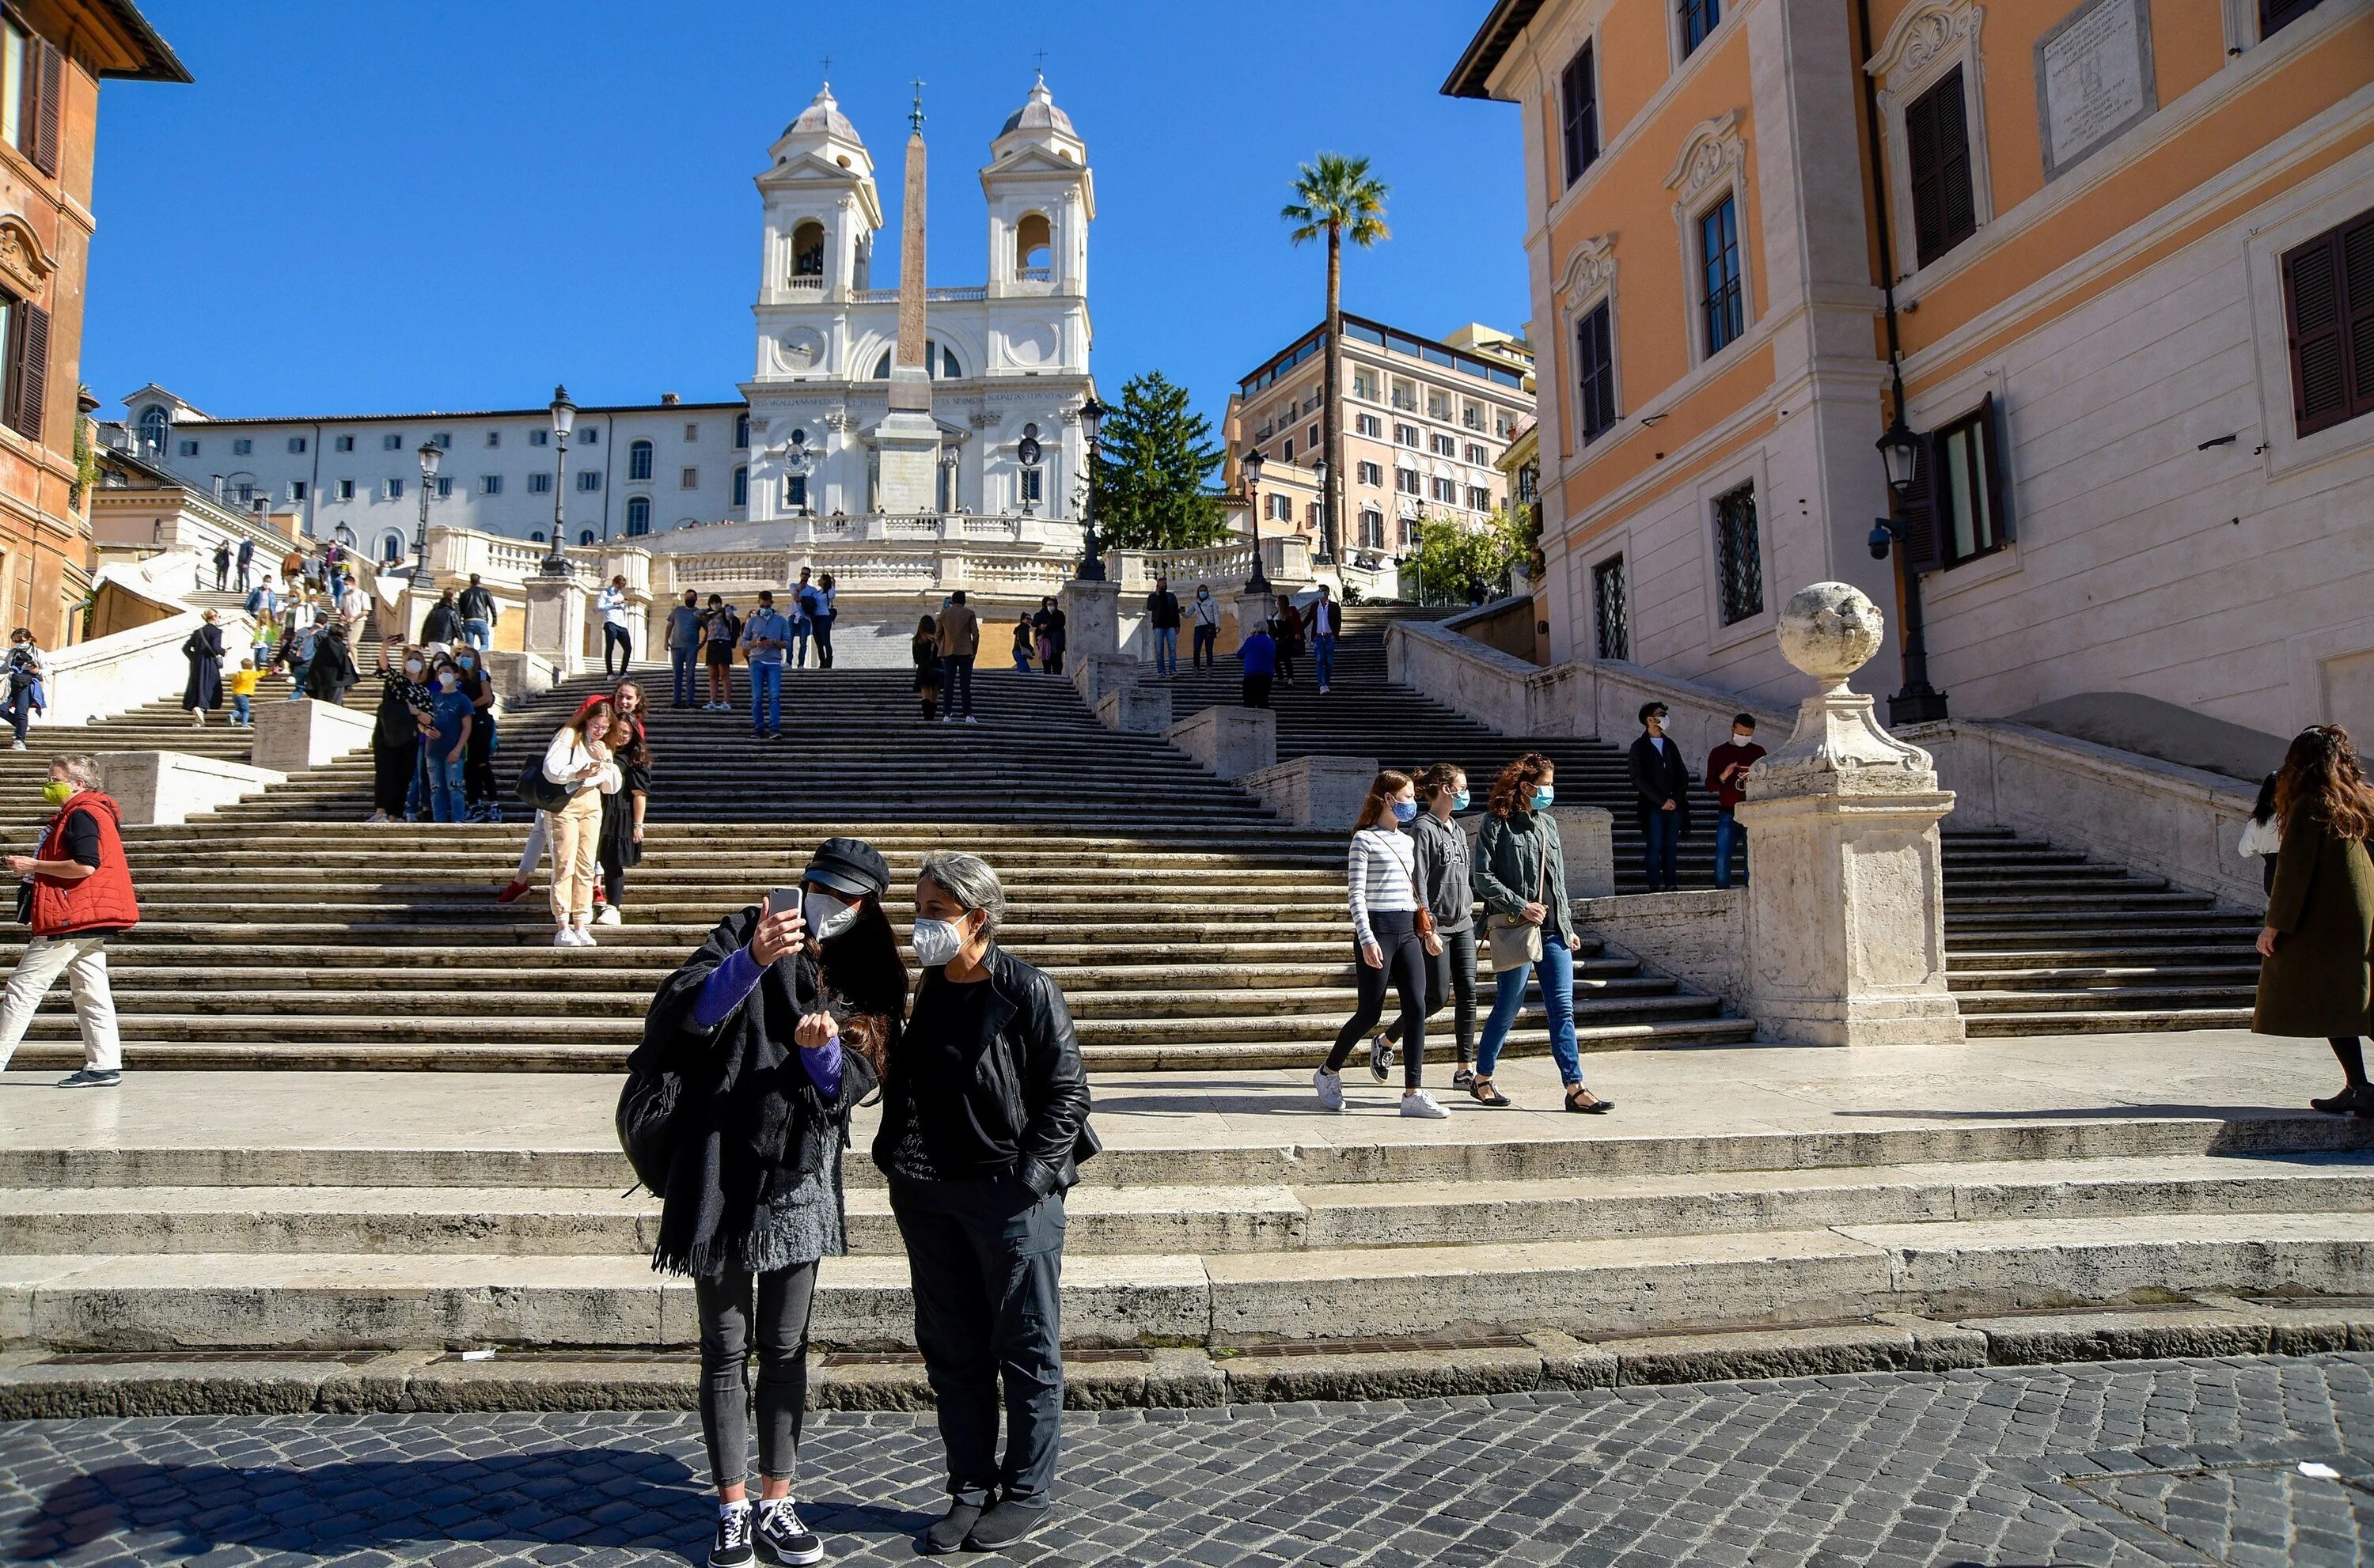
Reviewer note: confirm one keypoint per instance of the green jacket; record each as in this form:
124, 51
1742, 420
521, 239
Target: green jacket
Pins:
1508, 855
2323, 910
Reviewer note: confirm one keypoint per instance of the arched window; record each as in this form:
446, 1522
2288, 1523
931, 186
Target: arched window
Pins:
639, 516
536, 536
940, 362
639, 461
391, 546
154, 423
807, 249
946, 367
742, 487
586, 537
1034, 249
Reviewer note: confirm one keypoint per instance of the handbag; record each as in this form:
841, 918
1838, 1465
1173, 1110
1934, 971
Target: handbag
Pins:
536, 789
1517, 941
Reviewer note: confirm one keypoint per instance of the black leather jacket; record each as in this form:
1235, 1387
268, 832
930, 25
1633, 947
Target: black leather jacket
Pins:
1027, 1080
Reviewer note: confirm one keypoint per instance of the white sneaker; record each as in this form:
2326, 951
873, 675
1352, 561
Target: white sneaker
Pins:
15, 745
971, 719
1330, 1089
1419, 1102
610, 916
585, 937
565, 937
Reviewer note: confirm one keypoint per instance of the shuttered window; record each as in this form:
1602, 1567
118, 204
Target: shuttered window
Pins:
25, 389
2276, 14
32, 95
2329, 316
1579, 114
1594, 356
1937, 144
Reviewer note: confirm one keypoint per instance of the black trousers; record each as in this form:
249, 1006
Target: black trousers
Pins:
824, 644
780, 1325
478, 762
616, 640
1256, 691
392, 766
986, 1259
1206, 639
1450, 976
1404, 970
955, 684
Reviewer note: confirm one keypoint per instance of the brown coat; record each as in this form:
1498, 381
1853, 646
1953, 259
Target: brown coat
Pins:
959, 632
2318, 982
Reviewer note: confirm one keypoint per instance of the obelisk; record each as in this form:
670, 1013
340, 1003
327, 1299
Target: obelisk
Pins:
907, 441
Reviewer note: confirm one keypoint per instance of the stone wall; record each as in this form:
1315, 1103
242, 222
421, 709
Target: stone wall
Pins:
1698, 937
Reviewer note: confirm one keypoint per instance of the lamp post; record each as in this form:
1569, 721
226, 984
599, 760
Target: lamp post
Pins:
1092, 561
1028, 452
430, 454
1899, 449
1258, 582
564, 418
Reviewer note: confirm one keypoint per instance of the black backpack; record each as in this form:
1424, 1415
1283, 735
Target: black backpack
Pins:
646, 1118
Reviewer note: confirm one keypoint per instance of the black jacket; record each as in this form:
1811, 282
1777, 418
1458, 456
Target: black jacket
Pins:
1026, 1078
478, 604
1162, 609
443, 624
1659, 777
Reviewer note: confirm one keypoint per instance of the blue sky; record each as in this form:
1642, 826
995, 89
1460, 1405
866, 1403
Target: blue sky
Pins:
400, 205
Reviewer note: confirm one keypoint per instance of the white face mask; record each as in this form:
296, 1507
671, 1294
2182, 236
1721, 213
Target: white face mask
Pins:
411, 668
828, 917
937, 943
447, 680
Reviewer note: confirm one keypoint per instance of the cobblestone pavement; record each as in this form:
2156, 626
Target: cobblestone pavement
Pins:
2159, 1462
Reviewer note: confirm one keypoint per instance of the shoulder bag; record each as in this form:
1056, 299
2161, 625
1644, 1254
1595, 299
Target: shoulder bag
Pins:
536, 789
1517, 941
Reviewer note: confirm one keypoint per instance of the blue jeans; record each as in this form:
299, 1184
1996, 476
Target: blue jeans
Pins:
1727, 832
800, 645
684, 663
766, 696
241, 712
297, 678
1323, 657
448, 801
1166, 651
421, 796
480, 635
1661, 854
1557, 970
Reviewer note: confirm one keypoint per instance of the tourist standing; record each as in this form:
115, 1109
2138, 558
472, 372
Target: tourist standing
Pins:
1208, 628
81, 888
246, 562
2262, 832
1661, 799
1726, 770
1520, 875
617, 640
765, 636
396, 732
959, 642
478, 786
479, 614
578, 760
1387, 924
332, 672
1054, 634
802, 617
1162, 615
925, 650
450, 719
24, 683
222, 566
1446, 892
204, 648
721, 629
1025, 638
1326, 624
1258, 654
443, 626
622, 816
984, 1119
2320, 924
827, 612
684, 640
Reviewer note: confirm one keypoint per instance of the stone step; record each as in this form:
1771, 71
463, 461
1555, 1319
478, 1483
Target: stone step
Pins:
2077, 981
2105, 1021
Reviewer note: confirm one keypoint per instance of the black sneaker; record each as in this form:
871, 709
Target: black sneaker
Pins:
86, 1079
732, 1548
1463, 1076
949, 1532
1381, 1057
1007, 1523
781, 1538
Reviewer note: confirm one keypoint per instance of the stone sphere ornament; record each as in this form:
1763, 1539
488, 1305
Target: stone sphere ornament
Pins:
1829, 630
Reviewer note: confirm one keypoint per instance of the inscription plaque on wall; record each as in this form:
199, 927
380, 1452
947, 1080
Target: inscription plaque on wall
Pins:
2093, 79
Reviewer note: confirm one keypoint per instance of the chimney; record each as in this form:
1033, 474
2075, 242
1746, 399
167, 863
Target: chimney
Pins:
669, 400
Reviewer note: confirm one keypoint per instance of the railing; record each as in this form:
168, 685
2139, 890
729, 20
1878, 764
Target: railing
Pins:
1034, 275
805, 283
944, 296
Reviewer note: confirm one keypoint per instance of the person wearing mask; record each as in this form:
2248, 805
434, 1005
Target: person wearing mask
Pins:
2314, 977
443, 626
479, 614
1258, 654
1446, 892
721, 629
777, 1028
802, 616
765, 636
222, 566
354, 607
684, 640
332, 672
1326, 624
1206, 617
448, 743
1661, 796
622, 817
828, 611
478, 785
984, 1121
925, 649
397, 731
1054, 635
204, 648
617, 640
1388, 923
1521, 876
626, 700
1286, 630
1726, 770
246, 562
579, 761
24, 680
1162, 615
959, 642
81, 895
1026, 642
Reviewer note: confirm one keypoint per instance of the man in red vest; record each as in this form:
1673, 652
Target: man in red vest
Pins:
81, 889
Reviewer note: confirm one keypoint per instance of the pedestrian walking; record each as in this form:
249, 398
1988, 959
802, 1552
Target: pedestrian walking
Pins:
246, 563
775, 1031
960, 636
1258, 654
242, 684
204, 648
578, 760
684, 640
292, 567
222, 566
478, 786
1207, 615
622, 818
1162, 616
617, 640
77, 893
332, 672
396, 732
721, 629
1026, 642
1661, 799
442, 627
1521, 876
479, 614
1054, 634
24, 685
925, 649
984, 1121
2314, 976
1286, 629
1388, 923
299, 644
765, 636
828, 611
806, 600
2262, 832
1446, 892
1726, 770
1326, 624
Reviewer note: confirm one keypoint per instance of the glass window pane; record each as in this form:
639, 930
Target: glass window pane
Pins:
12, 85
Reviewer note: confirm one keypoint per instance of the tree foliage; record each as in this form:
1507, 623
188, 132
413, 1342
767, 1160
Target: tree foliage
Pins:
1452, 552
1154, 459
1337, 197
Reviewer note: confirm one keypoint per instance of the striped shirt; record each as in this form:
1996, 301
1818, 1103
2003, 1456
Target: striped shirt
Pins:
1381, 875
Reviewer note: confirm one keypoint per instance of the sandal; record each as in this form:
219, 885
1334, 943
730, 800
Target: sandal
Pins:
1577, 1094
1485, 1095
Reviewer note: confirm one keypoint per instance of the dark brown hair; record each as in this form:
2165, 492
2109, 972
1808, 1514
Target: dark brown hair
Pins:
1435, 781
1513, 790
1387, 785
2321, 778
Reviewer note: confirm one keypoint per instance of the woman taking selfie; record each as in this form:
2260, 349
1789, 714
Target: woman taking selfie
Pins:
2315, 979
579, 761
1521, 876
1388, 928
775, 1030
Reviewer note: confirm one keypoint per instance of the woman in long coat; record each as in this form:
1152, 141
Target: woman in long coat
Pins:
204, 650
2316, 978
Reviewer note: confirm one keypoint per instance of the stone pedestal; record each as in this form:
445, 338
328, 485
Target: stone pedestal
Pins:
1587, 834
1095, 676
556, 621
1091, 619
156, 789
1136, 711
520, 675
1315, 792
1229, 741
1846, 911
290, 736
1253, 612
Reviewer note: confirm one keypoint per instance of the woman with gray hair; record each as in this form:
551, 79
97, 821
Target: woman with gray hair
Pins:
984, 1121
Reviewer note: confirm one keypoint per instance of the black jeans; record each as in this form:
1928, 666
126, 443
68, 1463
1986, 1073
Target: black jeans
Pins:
786, 1297
1256, 691
1404, 970
616, 640
955, 685
986, 1258
1450, 976
478, 762
1206, 639
823, 643
18, 711
392, 763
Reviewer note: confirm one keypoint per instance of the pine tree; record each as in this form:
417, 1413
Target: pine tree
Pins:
1153, 461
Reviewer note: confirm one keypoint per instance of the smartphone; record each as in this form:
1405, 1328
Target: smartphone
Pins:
781, 899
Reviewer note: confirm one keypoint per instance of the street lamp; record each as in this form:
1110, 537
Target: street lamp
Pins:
1027, 451
430, 454
1092, 561
564, 418
1251, 463
1326, 507
1899, 450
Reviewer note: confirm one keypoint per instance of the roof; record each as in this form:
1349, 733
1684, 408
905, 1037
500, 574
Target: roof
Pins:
823, 116
419, 415
160, 63
1038, 113
1485, 52
1485, 367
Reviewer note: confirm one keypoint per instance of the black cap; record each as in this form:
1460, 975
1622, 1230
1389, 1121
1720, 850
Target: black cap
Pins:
850, 866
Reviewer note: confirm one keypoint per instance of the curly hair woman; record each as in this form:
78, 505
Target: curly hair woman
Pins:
1521, 876
2319, 926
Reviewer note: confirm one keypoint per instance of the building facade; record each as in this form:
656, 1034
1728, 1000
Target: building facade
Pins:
2129, 247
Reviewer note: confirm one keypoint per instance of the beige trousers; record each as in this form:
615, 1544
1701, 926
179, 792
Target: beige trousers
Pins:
576, 858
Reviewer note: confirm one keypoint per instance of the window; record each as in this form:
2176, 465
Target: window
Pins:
1720, 303
1611, 623
1281, 508
31, 79
1404, 396
1699, 17
1443, 446
1594, 358
1478, 498
2276, 13
1472, 416
1739, 560
189, 448
1937, 148
444, 486
539, 438
1372, 473
590, 479
344, 443
639, 461
1310, 437
490, 484
390, 547
807, 249
345, 489
691, 432
296, 443
1437, 406
153, 422
296, 489
1405, 434
539, 484
1289, 448
1477, 454
1369, 424
2329, 315
537, 537
494, 437
1364, 385
1373, 529
795, 491
1406, 480
1579, 114
585, 536
391, 442
1504, 426
587, 436
393, 489
742, 487
443, 443
1032, 484
243, 447
638, 516
1447, 492
742, 432
1965, 481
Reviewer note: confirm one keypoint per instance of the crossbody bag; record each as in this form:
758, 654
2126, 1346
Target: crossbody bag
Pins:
1517, 941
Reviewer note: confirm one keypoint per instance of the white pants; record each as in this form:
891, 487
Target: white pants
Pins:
84, 960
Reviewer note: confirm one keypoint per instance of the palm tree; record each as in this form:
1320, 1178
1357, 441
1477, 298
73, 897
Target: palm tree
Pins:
1338, 197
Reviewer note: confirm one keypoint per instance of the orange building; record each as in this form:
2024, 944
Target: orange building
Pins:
2125, 250
53, 53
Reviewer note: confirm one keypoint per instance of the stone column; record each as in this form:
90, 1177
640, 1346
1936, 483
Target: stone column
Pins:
556, 621
1253, 611
1091, 619
1846, 910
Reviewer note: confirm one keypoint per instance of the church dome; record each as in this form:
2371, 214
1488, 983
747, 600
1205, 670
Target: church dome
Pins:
823, 117
1038, 113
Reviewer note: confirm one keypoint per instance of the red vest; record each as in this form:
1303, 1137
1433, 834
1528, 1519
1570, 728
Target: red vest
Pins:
99, 902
